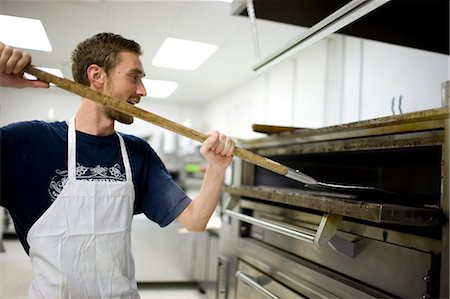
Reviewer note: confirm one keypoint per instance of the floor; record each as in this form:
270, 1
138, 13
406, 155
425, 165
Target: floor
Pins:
15, 276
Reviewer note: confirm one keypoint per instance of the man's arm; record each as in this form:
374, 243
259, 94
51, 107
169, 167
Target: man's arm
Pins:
218, 152
12, 63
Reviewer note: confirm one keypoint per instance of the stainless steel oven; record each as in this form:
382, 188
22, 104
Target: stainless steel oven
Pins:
282, 240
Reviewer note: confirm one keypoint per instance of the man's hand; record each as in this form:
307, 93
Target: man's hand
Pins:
217, 149
12, 64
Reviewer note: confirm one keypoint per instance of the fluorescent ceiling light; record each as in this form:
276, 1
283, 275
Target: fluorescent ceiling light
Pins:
56, 72
159, 88
182, 54
24, 33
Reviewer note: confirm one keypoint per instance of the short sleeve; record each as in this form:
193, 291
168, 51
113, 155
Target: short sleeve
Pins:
157, 195
7, 158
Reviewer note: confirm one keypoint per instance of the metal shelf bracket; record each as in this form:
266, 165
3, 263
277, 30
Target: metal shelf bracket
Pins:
327, 229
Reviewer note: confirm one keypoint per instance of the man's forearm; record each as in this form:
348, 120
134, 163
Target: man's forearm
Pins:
203, 205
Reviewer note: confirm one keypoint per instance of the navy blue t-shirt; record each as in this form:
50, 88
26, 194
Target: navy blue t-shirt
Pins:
33, 163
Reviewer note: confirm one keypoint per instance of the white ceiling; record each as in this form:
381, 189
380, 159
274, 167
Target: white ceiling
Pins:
149, 23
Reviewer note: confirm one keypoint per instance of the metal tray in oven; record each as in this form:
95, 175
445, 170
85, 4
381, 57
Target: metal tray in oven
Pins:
345, 205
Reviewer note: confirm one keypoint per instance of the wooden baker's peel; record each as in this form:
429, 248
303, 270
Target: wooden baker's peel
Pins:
127, 108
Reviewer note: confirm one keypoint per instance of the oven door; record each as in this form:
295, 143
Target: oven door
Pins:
265, 272
271, 260
254, 284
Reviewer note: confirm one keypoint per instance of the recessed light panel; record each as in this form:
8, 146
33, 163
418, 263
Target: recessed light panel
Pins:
24, 33
183, 54
159, 88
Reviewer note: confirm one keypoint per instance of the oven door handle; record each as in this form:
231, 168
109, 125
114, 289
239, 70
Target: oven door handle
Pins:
249, 281
325, 232
303, 236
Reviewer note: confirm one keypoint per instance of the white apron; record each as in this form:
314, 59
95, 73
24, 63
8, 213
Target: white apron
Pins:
80, 247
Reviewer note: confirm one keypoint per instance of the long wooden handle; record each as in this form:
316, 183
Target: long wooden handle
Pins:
125, 107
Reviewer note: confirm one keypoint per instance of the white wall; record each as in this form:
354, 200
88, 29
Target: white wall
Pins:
340, 79
30, 104
309, 71
391, 71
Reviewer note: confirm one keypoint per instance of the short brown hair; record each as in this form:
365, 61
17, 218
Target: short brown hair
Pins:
101, 49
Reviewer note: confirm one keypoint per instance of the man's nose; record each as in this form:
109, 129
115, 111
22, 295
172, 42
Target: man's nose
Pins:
141, 91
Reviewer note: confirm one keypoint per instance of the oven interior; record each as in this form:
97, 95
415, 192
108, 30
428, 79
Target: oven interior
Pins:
413, 175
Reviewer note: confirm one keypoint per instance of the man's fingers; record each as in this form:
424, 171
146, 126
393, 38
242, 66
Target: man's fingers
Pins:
228, 147
24, 60
12, 64
212, 141
5, 54
219, 144
13, 61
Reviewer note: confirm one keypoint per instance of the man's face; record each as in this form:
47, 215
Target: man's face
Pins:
125, 83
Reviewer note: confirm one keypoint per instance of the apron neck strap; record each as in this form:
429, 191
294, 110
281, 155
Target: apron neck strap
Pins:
126, 161
72, 149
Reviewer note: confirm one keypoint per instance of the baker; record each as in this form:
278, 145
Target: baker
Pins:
73, 187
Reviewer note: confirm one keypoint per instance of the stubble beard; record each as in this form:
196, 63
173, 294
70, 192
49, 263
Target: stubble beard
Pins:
119, 116
114, 114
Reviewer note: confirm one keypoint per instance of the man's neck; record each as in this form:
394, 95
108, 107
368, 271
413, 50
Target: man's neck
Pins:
91, 119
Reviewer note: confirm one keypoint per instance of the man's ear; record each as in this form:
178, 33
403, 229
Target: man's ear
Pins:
96, 76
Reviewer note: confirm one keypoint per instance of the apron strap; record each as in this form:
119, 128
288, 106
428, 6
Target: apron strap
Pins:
126, 161
71, 152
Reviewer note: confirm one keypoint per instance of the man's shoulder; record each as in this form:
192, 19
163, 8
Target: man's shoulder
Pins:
29, 133
35, 125
139, 146
134, 141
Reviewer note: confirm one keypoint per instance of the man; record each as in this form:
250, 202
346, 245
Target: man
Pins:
72, 188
